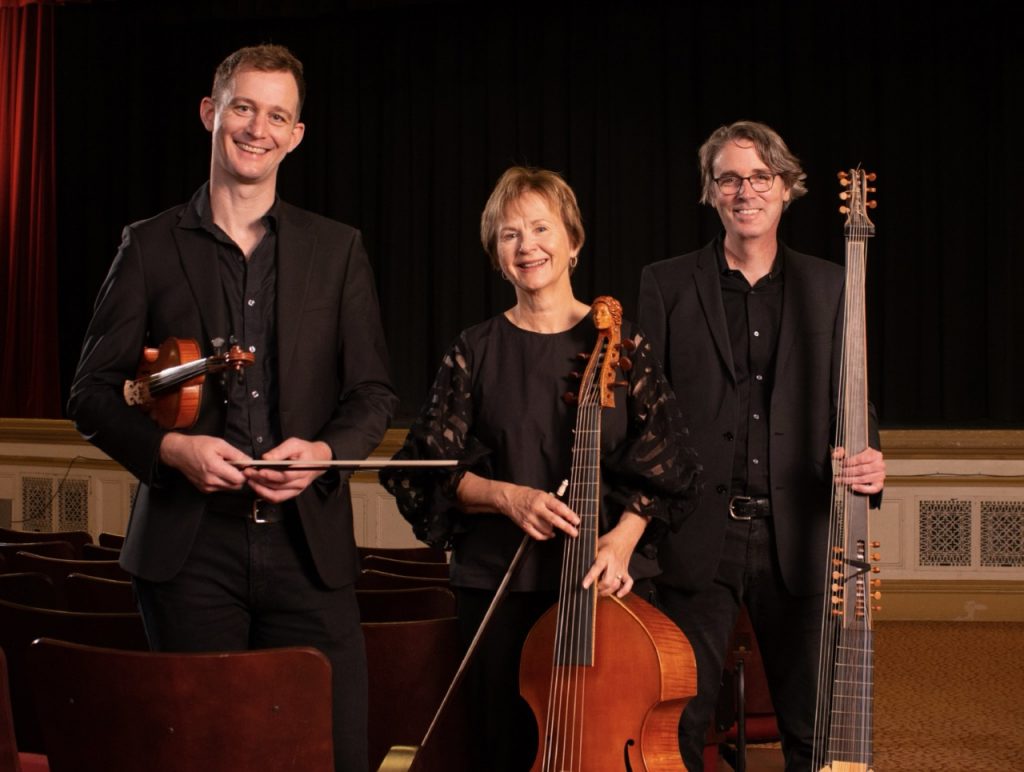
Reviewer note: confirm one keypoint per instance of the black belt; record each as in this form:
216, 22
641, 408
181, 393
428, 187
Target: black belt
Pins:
749, 507
253, 509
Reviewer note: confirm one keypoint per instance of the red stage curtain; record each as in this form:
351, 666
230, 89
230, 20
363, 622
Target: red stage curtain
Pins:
29, 371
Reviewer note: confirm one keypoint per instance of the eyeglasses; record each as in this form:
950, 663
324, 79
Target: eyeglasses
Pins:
761, 182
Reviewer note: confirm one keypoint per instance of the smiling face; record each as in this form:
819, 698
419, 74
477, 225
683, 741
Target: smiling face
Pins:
746, 214
254, 126
534, 246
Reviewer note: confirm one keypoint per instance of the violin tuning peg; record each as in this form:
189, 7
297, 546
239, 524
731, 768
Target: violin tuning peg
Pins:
627, 345
843, 196
872, 204
576, 374
872, 176
569, 398
583, 356
620, 383
626, 364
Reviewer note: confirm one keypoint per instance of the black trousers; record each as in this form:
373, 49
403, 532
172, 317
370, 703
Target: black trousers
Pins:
787, 627
253, 586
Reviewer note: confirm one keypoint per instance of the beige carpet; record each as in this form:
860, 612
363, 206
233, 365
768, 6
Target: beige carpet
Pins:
949, 696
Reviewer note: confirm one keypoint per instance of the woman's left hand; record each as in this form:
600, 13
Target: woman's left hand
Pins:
611, 566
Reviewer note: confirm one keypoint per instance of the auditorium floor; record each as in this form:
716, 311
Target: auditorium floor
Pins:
948, 696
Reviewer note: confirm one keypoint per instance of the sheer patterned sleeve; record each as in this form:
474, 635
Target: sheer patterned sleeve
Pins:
427, 497
654, 472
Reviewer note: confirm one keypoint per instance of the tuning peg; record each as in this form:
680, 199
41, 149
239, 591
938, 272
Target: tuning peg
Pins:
626, 364
576, 374
872, 204
871, 176
583, 356
875, 556
876, 595
569, 398
844, 210
876, 544
620, 383
627, 345
876, 570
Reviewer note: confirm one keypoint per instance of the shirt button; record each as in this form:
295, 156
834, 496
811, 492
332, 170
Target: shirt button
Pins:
259, 440
759, 377
255, 394
756, 333
757, 416
252, 350
251, 302
754, 460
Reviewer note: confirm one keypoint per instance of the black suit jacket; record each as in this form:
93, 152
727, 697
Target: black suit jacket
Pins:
333, 383
682, 312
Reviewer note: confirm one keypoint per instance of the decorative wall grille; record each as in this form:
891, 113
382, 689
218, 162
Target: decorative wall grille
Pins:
1002, 534
49, 504
36, 504
945, 533
73, 509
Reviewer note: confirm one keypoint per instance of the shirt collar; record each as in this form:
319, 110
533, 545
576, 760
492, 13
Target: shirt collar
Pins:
199, 215
725, 270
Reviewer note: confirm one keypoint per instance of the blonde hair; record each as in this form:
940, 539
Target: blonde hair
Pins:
511, 186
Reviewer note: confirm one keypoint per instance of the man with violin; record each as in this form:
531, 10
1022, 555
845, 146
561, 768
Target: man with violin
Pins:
225, 556
749, 332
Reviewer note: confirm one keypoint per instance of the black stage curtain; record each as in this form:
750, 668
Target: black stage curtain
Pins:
415, 108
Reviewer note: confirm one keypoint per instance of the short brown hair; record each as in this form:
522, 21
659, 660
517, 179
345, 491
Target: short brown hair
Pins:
769, 145
265, 58
526, 179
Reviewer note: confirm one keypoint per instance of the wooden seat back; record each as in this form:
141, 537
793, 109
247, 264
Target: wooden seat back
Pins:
371, 579
406, 567
97, 594
425, 554
75, 538
28, 589
20, 625
59, 569
115, 711
410, 666
405, 605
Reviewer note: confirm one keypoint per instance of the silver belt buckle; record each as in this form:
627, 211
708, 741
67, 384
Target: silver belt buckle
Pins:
255, 513
732, 511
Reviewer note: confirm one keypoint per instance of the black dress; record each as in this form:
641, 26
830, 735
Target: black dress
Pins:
496, 406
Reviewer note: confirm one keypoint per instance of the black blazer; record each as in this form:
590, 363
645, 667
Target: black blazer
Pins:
333, 383
682, 312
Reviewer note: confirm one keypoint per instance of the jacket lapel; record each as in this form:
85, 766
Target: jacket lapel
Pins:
199, 263
709, 290
794, 295
295, 249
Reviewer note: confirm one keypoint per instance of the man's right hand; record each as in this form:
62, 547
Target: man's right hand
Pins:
204, 461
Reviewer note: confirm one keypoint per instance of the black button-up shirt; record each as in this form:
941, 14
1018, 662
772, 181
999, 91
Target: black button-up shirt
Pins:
250, 294
753, 315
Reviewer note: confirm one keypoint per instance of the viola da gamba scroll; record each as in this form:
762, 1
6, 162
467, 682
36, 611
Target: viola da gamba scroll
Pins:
844, 705
607, 678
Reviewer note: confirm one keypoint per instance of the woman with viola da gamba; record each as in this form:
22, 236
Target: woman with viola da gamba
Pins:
497, 407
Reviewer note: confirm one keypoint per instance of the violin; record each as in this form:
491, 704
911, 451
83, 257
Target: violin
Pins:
607, 678
168, 386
